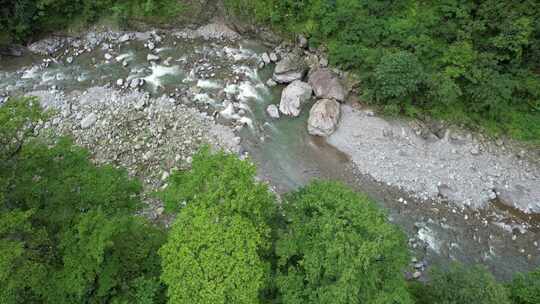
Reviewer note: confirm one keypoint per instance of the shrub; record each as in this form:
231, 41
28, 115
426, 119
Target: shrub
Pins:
339, 248
525, 288
462, 284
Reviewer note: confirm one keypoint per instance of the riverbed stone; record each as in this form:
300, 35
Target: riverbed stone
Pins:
88, 121
47, 46
152, 57
323, 117
272, 111
273, 57
289, 69
266, 58
294, 96
302, 41
326, 84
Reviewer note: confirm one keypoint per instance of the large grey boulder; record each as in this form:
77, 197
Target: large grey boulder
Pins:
326, 84
289, 69
293, 97
323, 117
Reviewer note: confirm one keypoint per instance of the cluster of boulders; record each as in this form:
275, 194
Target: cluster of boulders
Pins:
322, 82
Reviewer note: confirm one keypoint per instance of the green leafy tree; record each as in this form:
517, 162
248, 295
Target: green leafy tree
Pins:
338, 247
213, 258
525, 288
219, 248
221, 180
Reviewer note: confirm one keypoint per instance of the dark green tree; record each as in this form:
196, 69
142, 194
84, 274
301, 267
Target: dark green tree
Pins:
338, 247
461, 284
525, 288
68, 229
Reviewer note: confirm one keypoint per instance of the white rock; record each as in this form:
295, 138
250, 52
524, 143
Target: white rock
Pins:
120, 82
266, 58
108, 56
272, 111
293, 97
152, 57
88, 121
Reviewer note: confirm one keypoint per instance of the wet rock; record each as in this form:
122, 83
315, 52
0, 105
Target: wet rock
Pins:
125, 38
12, 50
271, 83
136, 83
273, 57
265, 58
323, 62
326, 84
272, 111
302, 41
289, 69
323, 117
47, 46
293, 97
152, 57
88, 121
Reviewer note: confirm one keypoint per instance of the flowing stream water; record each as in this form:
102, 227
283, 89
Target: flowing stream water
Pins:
208, 72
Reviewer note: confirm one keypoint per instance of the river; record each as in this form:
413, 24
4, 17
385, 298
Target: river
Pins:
209, 71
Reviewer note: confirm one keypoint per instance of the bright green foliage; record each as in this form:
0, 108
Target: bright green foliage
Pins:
68, 233
338, 247
220, 241
220, 180
213, 258
462, 284
478, 59
525, 288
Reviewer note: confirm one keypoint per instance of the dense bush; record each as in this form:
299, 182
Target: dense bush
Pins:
461, 284
339, 248
470, 61
68, 233
525, 288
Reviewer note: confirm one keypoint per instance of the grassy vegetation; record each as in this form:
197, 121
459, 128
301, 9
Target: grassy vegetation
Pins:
473, 62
